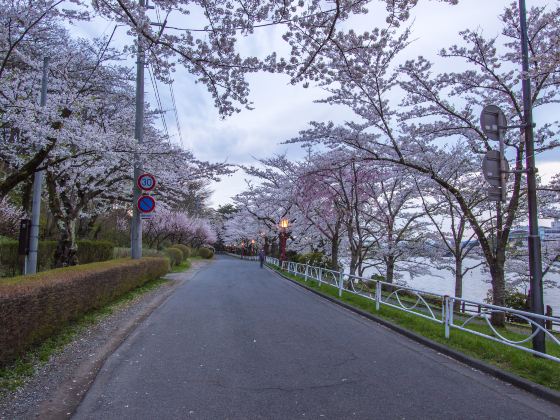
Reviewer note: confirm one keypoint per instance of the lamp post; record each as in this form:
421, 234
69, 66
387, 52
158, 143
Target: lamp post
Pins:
252, 247
242, 249
283, 237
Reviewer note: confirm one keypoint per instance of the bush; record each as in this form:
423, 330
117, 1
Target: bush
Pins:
88, 252
175, 255
149, 252
9, 258
34, 307
205, 253
317, 259
94, 251
121, 252
184, 249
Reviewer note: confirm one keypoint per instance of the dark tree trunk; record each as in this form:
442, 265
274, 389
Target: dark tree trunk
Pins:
498, 288
458, 282
334, 253
66, 249
390, 273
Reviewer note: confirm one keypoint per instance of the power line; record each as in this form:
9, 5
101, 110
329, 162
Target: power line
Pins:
176, 113
158, 99
172, 92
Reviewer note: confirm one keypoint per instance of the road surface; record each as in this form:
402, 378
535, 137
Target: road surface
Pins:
239, 342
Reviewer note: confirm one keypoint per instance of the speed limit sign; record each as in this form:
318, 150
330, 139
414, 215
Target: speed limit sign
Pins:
146, 182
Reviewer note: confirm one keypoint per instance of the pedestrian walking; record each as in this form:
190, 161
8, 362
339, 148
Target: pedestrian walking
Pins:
261, 257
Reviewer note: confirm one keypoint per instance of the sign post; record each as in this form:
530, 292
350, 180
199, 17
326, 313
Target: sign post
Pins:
494, 124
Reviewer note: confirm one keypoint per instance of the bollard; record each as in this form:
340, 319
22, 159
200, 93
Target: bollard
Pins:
446, 315
340, 283
320, 276
306, 270
548, 322
377, 295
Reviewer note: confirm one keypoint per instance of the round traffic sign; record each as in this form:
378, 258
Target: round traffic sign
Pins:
493, 122
146, 182
491, 168
146, 204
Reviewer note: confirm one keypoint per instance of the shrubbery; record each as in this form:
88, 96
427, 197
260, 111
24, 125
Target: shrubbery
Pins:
88, 252
93, 251
9, 258
205, 253
175, 255
184, 249
34, 307
317, 259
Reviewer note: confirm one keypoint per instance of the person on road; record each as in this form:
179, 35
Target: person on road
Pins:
261, 257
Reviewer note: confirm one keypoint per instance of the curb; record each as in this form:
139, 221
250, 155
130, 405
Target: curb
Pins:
524, 384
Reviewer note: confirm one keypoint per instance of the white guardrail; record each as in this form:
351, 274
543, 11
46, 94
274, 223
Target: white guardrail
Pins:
243, 257
434, 307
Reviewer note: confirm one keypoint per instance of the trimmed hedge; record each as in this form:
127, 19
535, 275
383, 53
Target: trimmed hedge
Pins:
205, 253
175, 255
184, 249
9, 258
88, 252
122, 252
34, 307
94, 251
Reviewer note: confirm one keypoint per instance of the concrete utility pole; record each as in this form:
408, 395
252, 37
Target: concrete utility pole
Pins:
31, 259
136, 224
535, 263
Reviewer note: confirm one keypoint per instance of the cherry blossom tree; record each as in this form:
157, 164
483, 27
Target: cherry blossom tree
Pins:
435, 129
454, 241
207, 44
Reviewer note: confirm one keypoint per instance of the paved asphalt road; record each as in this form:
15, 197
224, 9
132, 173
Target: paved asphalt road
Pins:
239, 342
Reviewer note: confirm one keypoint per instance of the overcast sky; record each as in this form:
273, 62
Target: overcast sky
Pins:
281, 110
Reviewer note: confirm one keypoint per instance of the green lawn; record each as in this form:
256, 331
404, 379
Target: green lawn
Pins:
539, 370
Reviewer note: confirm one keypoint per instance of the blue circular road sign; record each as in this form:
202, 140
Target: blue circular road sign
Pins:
146, 204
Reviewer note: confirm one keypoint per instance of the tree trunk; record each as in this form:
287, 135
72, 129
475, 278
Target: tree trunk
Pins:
390, 273
458, 282
498, 288
266, 246
334, 253
66, 249
353, 262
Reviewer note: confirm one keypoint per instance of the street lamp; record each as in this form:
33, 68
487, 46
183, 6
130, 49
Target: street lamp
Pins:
252, 247
283, 237
242, 249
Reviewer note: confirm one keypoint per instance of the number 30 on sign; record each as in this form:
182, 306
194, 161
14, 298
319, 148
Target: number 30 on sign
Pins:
146, 182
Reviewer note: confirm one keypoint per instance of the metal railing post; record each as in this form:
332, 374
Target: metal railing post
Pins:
377, 295
320, 276
446, 315
340, 283
306, 269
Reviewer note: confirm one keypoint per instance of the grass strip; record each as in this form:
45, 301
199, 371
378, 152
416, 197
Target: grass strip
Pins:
14, 375
184, 266
542, 371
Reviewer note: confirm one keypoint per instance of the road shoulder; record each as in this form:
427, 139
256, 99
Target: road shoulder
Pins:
57, 387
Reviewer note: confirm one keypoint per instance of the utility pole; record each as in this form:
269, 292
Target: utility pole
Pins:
534, 241
136, 224
31, 259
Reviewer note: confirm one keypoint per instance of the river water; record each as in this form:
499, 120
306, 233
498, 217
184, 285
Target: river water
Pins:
476, 284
